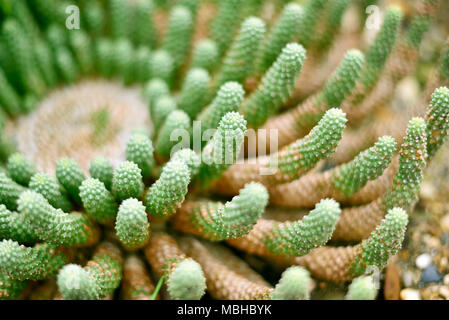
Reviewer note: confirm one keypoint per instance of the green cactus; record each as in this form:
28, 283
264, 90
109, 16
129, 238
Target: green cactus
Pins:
275, 87
309, 21
10, 289
294, 285
412, 161
54, 225
51, 190
20, 168
233, 219
139, 149
186, 281
178, 38
194, 91
228, 99
132, 226
437, 120
141, 64
283, 32
362, 288
127, 181
176, 120
153, 90
9, 98
120, 13
162, 107
300, 237
239, 60
70, 176
205, 55
98, 201
190, 158
162, 65
13, 226
368, 165
144, 30
168, 192
224, 147
9, 191
225, 23
34, 263
383, 243
304, 153
81, 46
102, 169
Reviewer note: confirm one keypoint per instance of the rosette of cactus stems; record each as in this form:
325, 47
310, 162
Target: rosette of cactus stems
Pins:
182, 275
230, 278
292, 238
275, 87
136, 283
98, 279
55, 226
217, 221
291, 161
339, 183
19, 262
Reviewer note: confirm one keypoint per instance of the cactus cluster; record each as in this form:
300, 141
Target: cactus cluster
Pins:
164, 209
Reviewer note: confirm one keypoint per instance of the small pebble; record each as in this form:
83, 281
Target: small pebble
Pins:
446, 280
410, 294
407, 278
430, 275
423, 261
445, 223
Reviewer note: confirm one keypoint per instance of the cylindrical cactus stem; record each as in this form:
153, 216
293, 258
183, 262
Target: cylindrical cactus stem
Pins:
227, 277
223, 149
190, 158
205, 55
290, 162
35, 263
160, 110
9, 191
127, 181
281, 33
162, 66
120, 12
176, 125
183, 276
178, 38
20, 168
310, 18
81, 46
50, 188
144, 30
132, 226
139, 149
54, 225
339, 183
238, 63
167, 194
437, 120
362, 288
194, 92
13, 226
8, 96
102, 169
136, 283
97, 280
70, 176
98, 202
289, 238
275, 87
215, 221
294, 285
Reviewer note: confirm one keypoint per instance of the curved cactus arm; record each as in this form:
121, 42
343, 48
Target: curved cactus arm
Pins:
9, 191
437, 120
49, 187
33, 263
216, 221
20, 168
275, 87
166, 195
